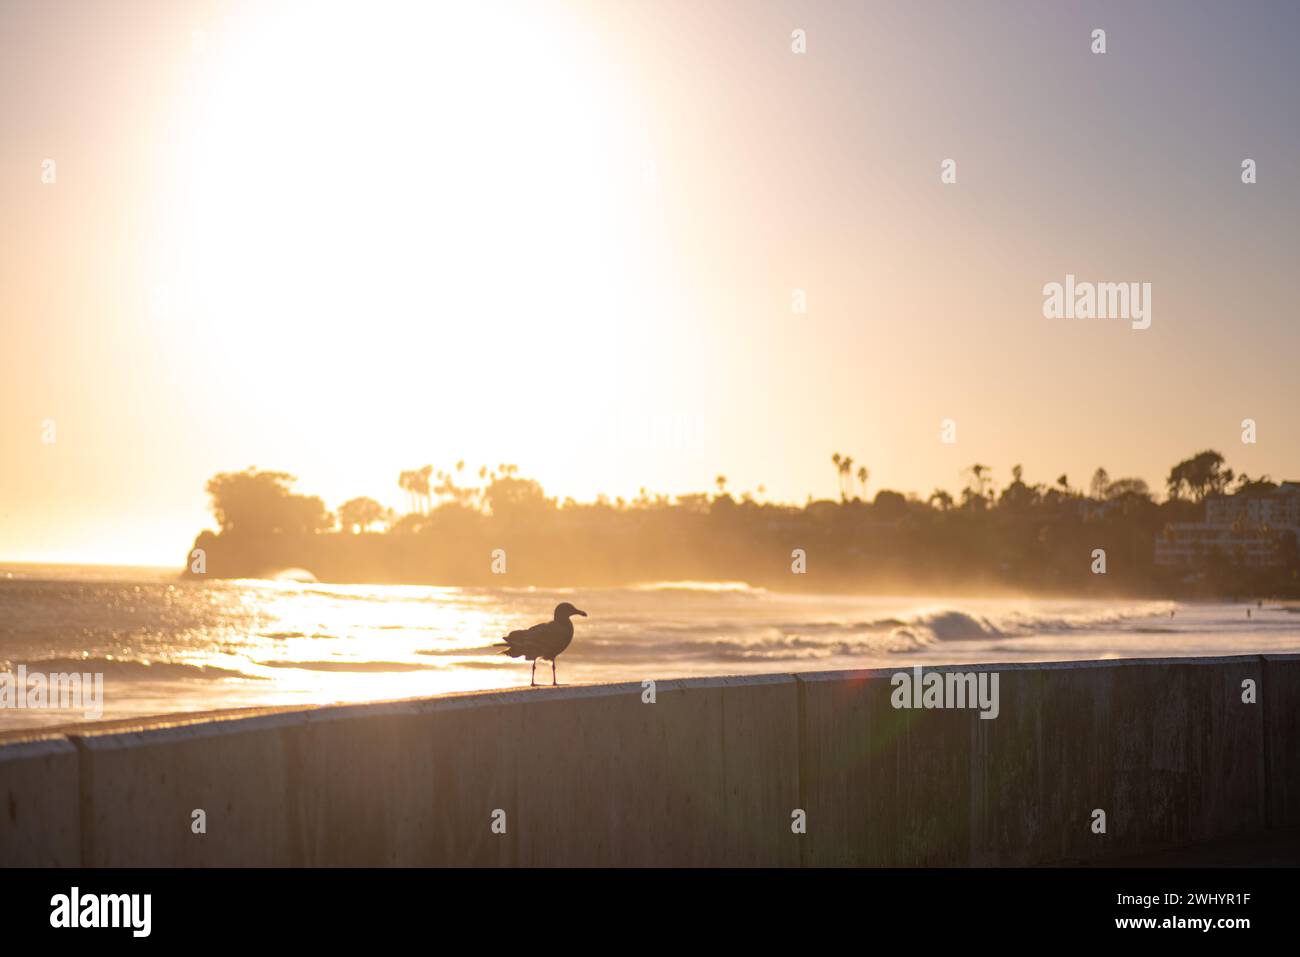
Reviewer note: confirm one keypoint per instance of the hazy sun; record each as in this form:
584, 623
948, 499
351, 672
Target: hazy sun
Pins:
378, 212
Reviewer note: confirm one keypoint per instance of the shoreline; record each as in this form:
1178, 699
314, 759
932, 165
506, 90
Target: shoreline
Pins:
174, 575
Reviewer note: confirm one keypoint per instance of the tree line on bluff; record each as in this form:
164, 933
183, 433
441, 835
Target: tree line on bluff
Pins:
504, 529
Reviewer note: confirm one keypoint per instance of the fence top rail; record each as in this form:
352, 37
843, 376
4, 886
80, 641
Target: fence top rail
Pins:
127, 731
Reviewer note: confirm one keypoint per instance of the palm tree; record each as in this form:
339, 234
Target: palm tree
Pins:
863, 474
979, 481
837, 460
721, 481
846, 484
406, 481
422, 486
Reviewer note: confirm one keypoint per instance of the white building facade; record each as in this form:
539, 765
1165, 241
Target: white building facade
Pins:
1242, 528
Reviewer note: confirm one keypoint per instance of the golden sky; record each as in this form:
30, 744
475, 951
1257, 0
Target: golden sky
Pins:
346, 239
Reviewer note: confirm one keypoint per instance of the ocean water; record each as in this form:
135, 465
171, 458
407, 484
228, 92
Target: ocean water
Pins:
164, 646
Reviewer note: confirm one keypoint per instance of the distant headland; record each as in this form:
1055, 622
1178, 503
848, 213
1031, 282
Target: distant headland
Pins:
1213, 535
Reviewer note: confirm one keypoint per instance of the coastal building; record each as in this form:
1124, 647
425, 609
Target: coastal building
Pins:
1243, 528
1277, 509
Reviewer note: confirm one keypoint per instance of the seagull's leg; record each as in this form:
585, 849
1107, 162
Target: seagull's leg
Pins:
553, 681
532, 682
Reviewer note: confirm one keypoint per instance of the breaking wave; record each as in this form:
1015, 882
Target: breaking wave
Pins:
953, 625
728, 640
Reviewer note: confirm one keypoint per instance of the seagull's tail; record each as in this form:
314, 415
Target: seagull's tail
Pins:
508, 649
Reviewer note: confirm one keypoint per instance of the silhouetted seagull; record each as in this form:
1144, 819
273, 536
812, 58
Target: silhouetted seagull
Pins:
546, 640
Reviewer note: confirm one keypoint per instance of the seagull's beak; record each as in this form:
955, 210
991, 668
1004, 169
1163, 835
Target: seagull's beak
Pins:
582, 613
